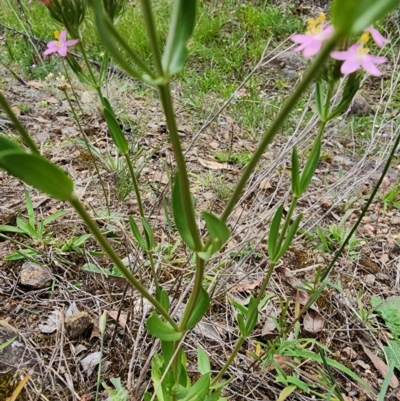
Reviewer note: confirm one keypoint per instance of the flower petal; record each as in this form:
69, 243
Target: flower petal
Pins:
63, 36
340, 55
71, 42
350, 65
370, 67
62, 51
377, 36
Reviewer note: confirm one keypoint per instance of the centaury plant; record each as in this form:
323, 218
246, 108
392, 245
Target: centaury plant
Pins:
333, 62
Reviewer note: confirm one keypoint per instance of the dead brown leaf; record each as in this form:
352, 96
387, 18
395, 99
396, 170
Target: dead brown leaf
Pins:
122, 318
380, 366
215, 165
313, 322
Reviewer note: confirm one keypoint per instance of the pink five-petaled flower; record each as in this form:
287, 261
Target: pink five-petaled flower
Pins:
356, 57
311, 43
60, 45
377, 36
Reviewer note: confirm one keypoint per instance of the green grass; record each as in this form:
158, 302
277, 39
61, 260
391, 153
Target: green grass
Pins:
228, 41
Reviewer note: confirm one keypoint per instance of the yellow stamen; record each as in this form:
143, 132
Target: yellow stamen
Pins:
363, 50
364, 38
321, 17
57, 34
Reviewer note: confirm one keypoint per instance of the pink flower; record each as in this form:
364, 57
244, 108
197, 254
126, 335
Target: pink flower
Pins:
311, 42
357, 56
60, 45
376, 35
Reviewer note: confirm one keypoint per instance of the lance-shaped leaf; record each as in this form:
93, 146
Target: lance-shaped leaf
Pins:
289, 237
295, 173
137, 234
319, 99
117, 135
353, 16
199, 389
181, 221
274, 232
162, 330
203, 362
311, 165
180, 30
38, 172
218, 232
201, 307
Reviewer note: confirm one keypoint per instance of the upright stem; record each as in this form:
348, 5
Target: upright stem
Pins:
200, 266
166, 101
76, 204
250, 317
276, 124
152, 34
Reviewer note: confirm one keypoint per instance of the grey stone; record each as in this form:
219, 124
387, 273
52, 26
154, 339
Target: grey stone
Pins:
12, 355
35, 276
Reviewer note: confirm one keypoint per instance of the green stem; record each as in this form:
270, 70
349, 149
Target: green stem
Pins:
74, 201
18, 126
250, 317
287, 107
152, 34
135, 184
85, 138
200, 267
288, 218
166, 101
141, 212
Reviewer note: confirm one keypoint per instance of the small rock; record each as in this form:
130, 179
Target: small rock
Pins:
360, 105
292, 61
35, 276
395, 221
78, 323
369, 279
326, 204
373, 217
382, 276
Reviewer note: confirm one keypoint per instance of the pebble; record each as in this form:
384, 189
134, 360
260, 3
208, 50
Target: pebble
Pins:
78, 324
35, 276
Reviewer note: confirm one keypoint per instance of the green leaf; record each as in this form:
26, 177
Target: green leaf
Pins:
150, 236
286, 392
203, 363
179, 216
343, 14
26, 227
163, 298
8, 144
162, 330
319, 99
250, 324
311, 165
274, 232
295, 172
117, 135
180, 31
78, 71
199, 389
11, 229
201, 307
218, 232
353, 16
241, 324
29, 208
38, 172
7, 343
289, 237
369, 11
55, 216
136, 233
